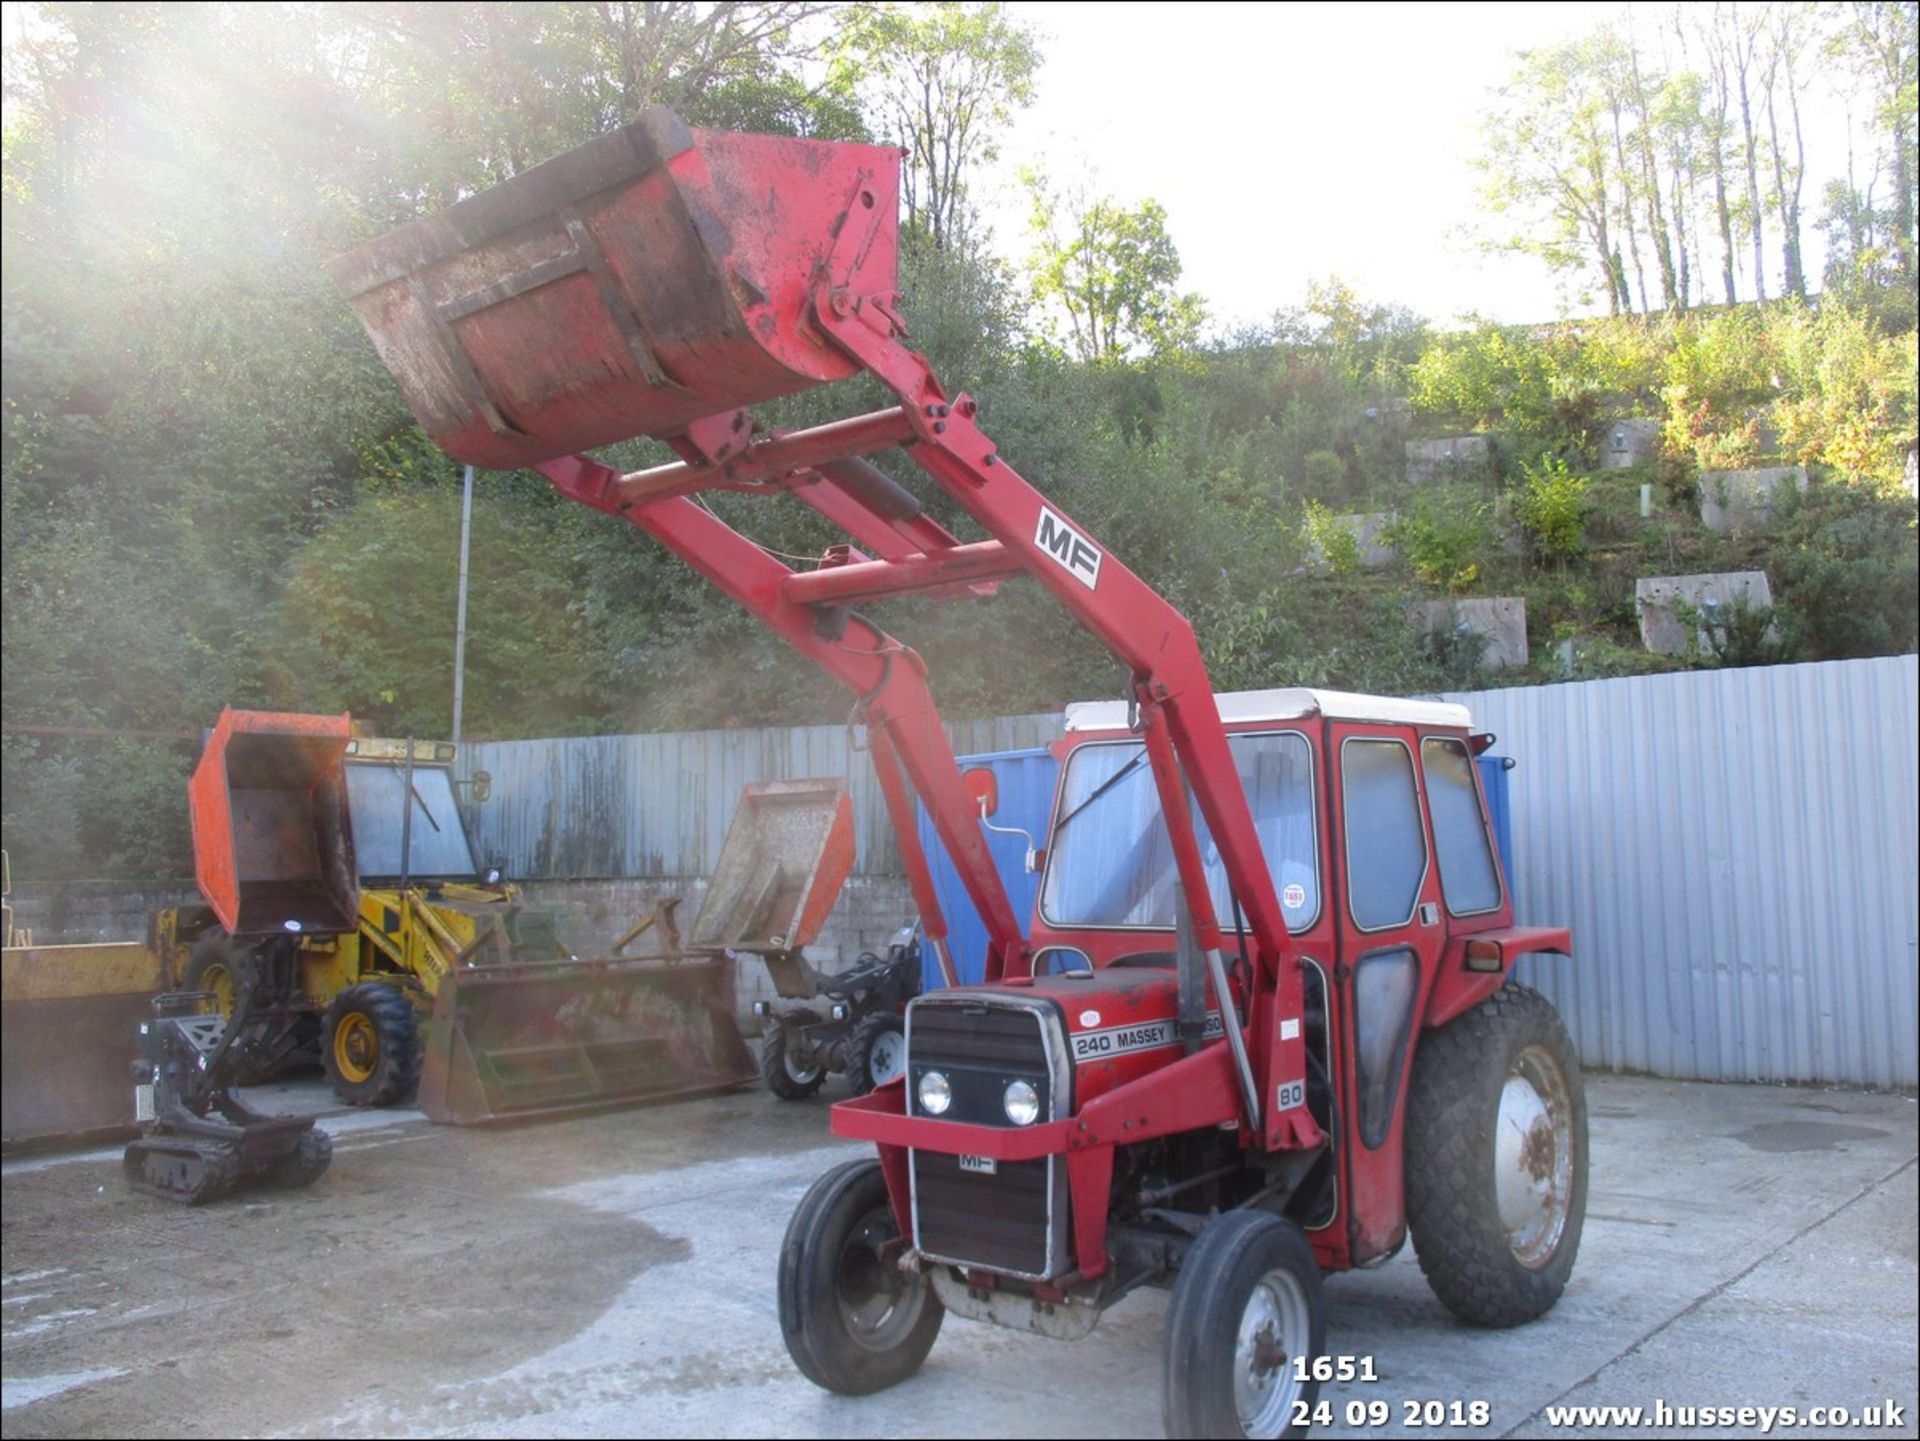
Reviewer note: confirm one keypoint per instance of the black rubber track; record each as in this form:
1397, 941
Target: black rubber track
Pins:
1454, 1102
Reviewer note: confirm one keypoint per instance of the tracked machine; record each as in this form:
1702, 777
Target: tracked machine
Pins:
1264, 1027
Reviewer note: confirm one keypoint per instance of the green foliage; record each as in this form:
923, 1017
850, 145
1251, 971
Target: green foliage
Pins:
1336, 545
1552, 506
1113, 272
1446, 542
1326, 472
1846, 572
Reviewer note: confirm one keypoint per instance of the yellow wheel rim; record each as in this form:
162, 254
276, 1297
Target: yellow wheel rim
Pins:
218, 979
356, 1047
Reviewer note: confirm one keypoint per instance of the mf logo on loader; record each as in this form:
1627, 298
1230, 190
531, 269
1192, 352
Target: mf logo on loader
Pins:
1080, 556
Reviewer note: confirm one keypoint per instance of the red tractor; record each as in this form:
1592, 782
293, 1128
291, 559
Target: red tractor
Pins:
1263, 1028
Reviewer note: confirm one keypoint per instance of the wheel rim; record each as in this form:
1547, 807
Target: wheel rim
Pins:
356, 1047
219, 980
879, 1305
801, 1075
1276, 1326
1533, 1156
886, 1057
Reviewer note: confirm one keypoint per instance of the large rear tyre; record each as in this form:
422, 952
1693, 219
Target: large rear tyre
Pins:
1246, 1308
370, 1045
785, 1074
876, 1052
1496, 1159
854, 1322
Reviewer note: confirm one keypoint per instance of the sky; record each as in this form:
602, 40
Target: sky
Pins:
1303, 141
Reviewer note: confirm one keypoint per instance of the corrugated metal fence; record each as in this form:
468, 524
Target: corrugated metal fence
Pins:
1736, 853
658, 805
1735, 850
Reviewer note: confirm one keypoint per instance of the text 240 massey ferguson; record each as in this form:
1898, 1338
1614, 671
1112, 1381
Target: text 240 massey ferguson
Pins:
1264, 1027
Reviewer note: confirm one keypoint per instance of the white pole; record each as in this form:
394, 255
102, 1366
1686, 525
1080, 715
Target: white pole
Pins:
460, 624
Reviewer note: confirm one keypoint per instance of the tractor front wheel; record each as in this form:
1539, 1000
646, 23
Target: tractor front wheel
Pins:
1247, 1311
370, 1044
876, 1052
786, 1075
1496, 1159
854, 1322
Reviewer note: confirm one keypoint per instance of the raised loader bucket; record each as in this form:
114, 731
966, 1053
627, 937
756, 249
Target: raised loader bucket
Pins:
785, 858
533, 1038
649, 278
272, 837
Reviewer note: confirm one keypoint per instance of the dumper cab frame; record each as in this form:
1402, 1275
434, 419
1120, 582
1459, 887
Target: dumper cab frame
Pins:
659, 281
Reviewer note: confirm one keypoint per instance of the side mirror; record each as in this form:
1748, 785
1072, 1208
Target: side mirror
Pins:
984, 786
481, 786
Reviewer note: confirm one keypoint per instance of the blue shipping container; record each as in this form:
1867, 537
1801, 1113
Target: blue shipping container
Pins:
1026, 780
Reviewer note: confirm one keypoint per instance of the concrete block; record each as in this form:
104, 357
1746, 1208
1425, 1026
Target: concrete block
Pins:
1661, 629
1738, 500
1633, 440
1367, 529
1458, 457
1500, 620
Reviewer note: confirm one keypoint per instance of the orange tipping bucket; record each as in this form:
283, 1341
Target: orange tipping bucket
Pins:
272, 836
651, 277
787, 853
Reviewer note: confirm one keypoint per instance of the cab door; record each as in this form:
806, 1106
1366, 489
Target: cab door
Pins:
1390, 934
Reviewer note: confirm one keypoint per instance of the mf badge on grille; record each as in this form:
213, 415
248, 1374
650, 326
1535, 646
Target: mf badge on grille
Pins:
982, 1165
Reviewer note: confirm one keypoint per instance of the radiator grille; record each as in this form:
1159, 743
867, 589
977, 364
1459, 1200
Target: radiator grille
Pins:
1013, 1221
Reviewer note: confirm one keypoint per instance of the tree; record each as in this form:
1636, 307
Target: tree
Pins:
1545, 148
1114, 272
943, 80
1877, 41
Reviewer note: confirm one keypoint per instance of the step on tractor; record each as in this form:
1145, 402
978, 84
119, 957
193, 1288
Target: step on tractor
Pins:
338, 874
1264, 1027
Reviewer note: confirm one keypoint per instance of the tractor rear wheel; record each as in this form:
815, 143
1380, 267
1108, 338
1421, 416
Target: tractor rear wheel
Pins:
1247, 1307
854, 1322
1496, 1159
370, 1045
877, 1051
786, 1075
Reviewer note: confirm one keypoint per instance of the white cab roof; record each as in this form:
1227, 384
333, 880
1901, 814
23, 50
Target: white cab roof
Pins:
1294, 703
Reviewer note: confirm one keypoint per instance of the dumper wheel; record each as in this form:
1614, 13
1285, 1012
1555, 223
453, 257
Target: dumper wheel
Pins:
877, 1052
1246, 1307
215, 966
1496, 1159
786, 1077
370, 1045
854, 1322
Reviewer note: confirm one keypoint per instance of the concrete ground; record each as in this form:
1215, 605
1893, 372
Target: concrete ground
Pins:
613, 1275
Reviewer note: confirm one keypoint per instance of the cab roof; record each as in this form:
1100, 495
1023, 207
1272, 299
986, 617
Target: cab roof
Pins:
1292, 703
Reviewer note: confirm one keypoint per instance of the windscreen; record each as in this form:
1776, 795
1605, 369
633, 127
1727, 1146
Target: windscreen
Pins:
438, 840
1110, 863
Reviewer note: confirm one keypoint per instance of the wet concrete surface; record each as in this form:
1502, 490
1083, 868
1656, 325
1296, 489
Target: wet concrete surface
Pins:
613, 1275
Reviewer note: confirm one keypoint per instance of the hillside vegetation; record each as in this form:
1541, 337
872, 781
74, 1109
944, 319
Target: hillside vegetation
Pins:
213, 494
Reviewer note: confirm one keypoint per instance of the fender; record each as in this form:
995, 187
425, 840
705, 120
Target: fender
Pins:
1473, 967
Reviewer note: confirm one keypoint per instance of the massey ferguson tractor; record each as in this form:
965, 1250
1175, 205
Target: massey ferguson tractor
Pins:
1263, 1029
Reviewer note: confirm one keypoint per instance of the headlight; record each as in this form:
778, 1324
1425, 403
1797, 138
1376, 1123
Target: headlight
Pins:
1022, 1103
839, 1011
935, 1094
